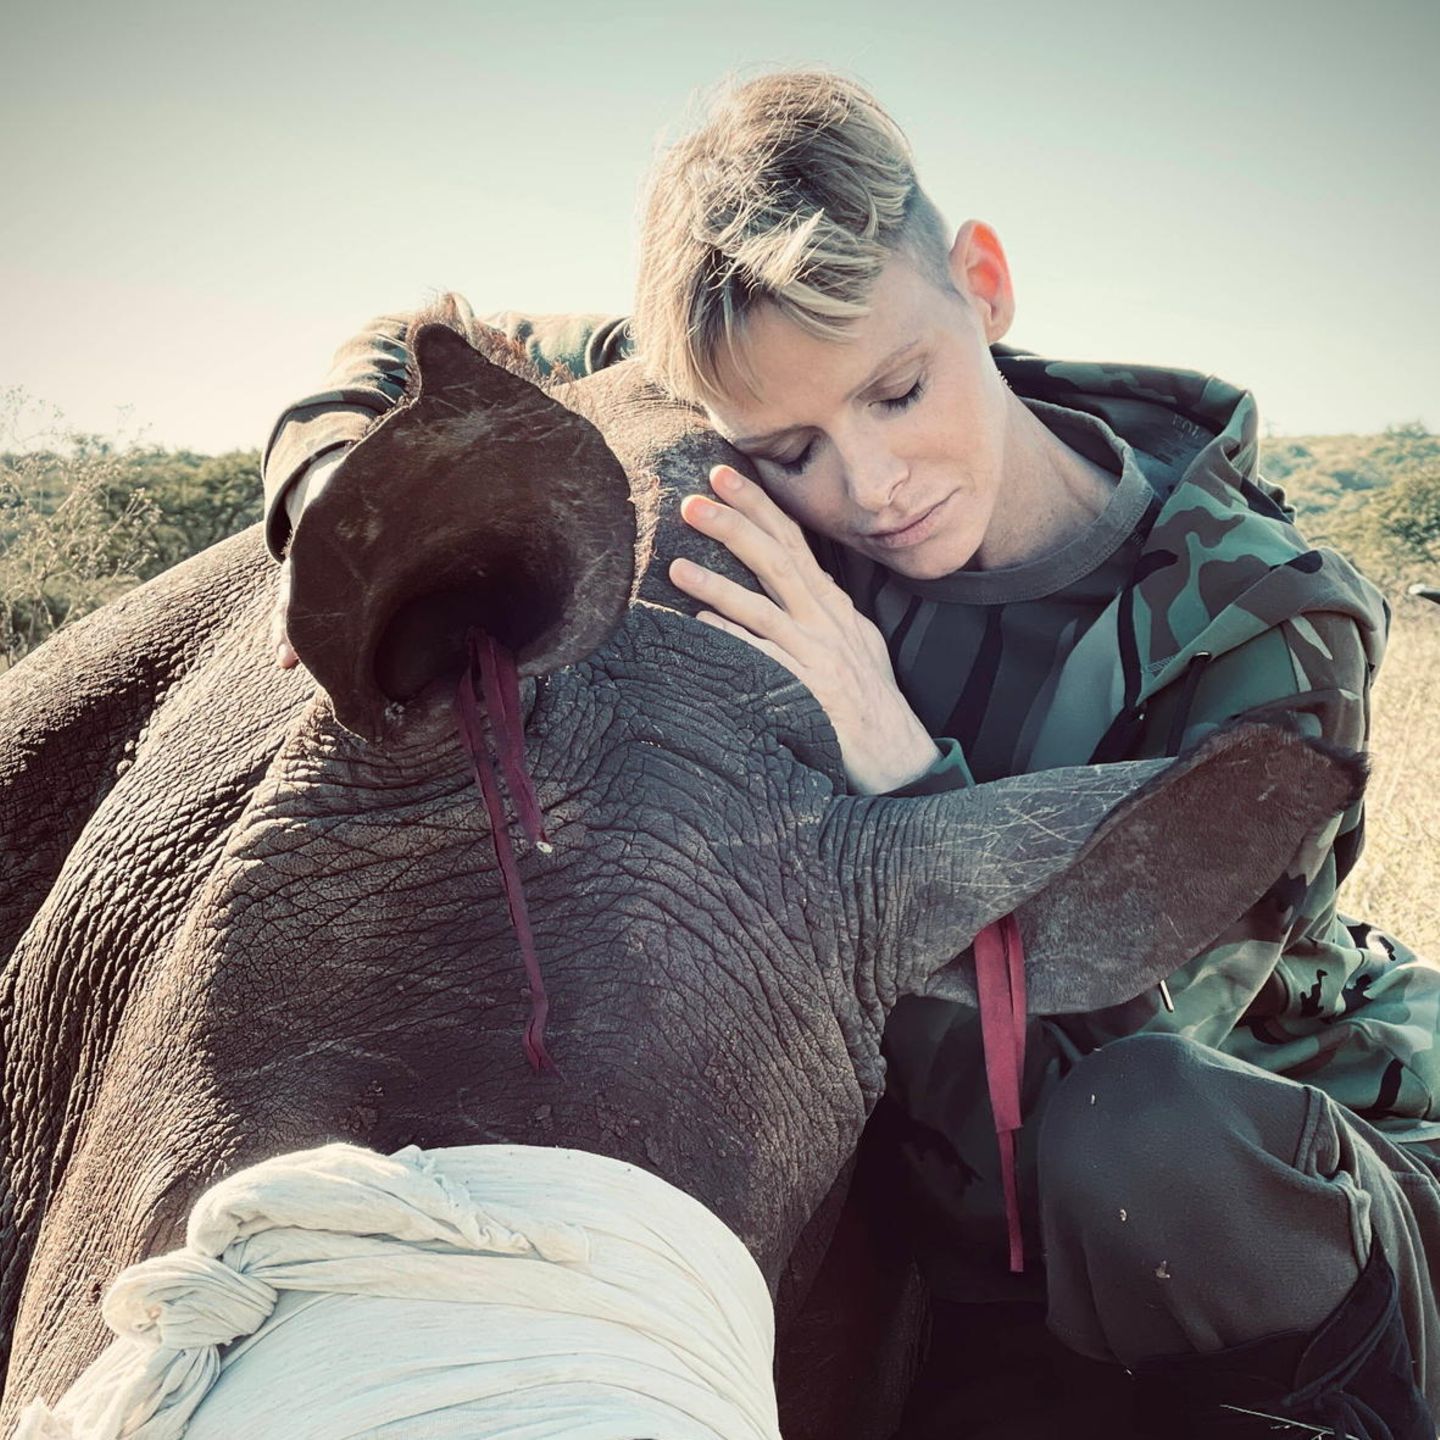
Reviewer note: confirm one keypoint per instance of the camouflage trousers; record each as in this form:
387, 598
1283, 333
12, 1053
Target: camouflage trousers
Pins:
1191, 1202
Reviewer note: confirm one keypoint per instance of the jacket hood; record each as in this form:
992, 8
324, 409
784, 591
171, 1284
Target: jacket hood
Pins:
1221, 562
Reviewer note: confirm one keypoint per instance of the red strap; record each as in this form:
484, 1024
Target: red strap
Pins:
1000, 983
494, 667
500, 683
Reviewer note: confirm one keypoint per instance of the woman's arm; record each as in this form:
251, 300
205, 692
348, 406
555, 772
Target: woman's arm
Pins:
1293, 986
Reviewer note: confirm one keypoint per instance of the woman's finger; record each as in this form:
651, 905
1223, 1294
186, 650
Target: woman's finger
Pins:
783, 572
760, 508
755, 504
285, 656
775, 652
759, 614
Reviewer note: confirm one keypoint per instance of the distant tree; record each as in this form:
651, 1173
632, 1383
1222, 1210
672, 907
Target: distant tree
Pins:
1283, 456
73, 535
1407, 445
1407, 514
202, 498
1369, 496
83, 518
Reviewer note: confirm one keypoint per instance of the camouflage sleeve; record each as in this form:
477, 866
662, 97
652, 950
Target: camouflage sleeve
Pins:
949, 771
367, 376
582, 344
1293, 986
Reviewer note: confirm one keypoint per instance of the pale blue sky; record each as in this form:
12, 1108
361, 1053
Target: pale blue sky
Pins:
198, 202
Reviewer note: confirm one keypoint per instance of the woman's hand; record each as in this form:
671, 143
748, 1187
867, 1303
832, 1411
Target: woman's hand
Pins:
810, 626
285, 656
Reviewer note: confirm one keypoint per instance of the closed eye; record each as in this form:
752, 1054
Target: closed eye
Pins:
801, 462
905, 401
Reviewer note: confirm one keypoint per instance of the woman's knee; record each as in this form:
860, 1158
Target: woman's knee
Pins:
1159, 1116
1191, 1201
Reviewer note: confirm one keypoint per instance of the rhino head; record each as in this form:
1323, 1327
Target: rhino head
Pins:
723, 928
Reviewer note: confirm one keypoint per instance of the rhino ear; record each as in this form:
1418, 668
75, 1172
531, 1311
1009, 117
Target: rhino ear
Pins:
1173, 866
483, 500
1165, 871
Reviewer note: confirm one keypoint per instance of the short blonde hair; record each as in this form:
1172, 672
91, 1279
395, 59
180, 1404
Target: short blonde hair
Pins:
797, 191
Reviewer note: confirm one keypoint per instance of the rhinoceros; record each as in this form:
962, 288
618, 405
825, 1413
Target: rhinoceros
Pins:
249, 911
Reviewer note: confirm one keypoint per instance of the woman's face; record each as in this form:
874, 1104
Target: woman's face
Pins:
891, 441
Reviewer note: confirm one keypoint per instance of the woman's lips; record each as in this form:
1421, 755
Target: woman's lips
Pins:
918, 530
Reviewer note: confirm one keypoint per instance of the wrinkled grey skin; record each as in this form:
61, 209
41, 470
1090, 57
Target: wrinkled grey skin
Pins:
236, 928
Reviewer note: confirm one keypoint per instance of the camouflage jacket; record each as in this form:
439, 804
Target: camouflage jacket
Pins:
1228, 612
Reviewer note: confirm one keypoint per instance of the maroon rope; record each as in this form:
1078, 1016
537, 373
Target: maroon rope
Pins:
1000, 982
501, 684
494, 667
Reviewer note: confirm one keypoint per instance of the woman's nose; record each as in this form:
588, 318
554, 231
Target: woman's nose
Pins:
874, 472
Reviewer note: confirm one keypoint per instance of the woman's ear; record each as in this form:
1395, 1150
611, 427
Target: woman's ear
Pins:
982, 275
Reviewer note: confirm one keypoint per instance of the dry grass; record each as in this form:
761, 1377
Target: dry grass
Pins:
1396, 885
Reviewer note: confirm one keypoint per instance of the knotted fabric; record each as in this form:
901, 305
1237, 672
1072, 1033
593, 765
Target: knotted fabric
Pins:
506, 1291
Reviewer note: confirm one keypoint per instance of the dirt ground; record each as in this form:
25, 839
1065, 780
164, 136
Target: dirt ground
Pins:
1396, 884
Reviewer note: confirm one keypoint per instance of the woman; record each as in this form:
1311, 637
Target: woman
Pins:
983, 563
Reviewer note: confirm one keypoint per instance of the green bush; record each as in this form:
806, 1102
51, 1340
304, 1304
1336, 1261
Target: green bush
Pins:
1407, 515
1375, 498
84, 518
